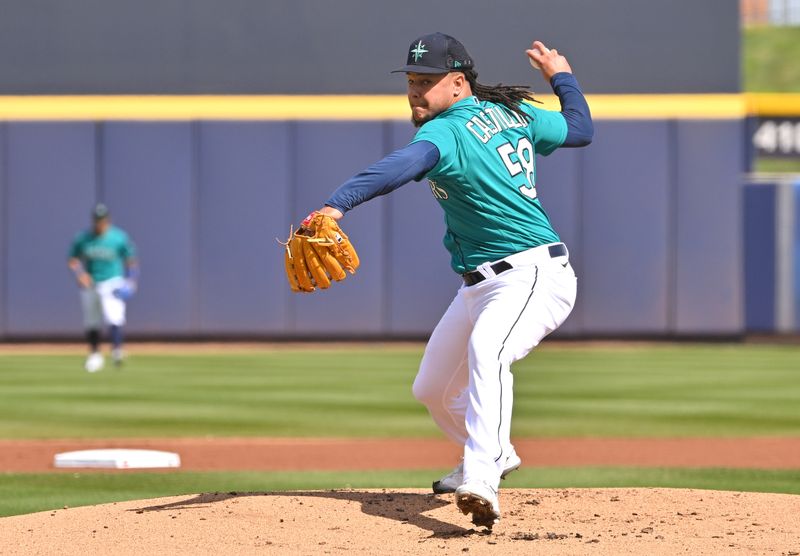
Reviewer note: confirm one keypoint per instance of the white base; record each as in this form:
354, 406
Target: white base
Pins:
118, 459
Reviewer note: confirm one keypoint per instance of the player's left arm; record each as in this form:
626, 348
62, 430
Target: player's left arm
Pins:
132, 272
556, 69
128, 289
319, 251
394, 170
128, 254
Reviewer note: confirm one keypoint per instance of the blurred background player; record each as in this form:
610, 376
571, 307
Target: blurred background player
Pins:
103, 261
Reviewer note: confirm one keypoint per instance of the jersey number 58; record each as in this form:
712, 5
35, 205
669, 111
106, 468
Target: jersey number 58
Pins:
518, 160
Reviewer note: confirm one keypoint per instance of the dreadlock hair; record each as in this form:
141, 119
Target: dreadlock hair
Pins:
510, 96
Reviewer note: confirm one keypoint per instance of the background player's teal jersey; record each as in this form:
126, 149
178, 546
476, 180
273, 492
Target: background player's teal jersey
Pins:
485, 179
103, 256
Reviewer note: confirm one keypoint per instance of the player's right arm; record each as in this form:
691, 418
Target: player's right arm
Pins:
75, 262
82, 277
574, 108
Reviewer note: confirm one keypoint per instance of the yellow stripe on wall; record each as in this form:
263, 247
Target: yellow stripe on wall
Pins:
205, 107
638, 107
369, 107
773, 104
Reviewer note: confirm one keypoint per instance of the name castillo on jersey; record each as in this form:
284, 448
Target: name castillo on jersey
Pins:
483, 126
491, 121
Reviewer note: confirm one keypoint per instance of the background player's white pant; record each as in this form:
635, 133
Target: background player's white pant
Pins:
99, 304
465, 377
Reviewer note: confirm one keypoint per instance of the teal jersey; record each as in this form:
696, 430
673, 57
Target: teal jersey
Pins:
103, 256
485, 179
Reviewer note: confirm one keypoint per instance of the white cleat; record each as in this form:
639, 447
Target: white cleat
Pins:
117, 356
480, 500
94, 362
450, 482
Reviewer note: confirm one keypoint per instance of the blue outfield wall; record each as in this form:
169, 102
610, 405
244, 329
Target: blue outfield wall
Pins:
50, 179
651, 212
772, 256
3, 227
240, 171
760, 256
796, 253
149, 181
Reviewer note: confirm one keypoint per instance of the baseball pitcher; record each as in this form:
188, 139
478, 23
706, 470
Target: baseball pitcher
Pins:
476, 145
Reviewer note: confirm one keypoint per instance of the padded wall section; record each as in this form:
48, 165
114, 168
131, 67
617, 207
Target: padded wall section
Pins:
148, 182
243, 206
50, 184
796, 255
325, 155
626, 233
3, 232
759, 255
709, 286
420, 282
558, 185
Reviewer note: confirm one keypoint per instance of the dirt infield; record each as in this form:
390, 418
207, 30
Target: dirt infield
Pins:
277, 454
413, 522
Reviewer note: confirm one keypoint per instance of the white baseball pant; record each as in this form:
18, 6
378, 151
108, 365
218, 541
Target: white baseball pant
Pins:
101, 306
465, 377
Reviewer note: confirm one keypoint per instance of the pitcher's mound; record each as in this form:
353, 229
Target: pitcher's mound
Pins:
408, 521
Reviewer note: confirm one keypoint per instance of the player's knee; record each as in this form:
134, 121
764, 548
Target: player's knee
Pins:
425, 393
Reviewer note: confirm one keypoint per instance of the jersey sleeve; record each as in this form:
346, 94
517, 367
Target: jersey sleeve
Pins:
574, 108
439, 132
128, 249
548, 129
76, 247
394, 170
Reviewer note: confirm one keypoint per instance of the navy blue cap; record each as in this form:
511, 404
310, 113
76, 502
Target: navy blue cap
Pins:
436, 53
100, 211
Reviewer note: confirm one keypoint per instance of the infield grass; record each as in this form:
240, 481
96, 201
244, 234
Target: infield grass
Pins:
27, 493
561, 390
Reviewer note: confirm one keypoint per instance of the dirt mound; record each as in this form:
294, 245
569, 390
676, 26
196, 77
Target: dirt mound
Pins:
407, 521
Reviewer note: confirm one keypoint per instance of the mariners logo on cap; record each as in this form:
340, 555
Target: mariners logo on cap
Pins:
436, 53
418, 51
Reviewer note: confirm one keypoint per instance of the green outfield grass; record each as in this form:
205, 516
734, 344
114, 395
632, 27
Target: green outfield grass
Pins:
769, 59
641, 390
774, 165
27, 493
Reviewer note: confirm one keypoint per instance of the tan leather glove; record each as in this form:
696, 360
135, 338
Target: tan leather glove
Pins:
318, 252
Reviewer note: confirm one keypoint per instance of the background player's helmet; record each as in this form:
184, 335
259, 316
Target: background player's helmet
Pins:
99, 211
436, 53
